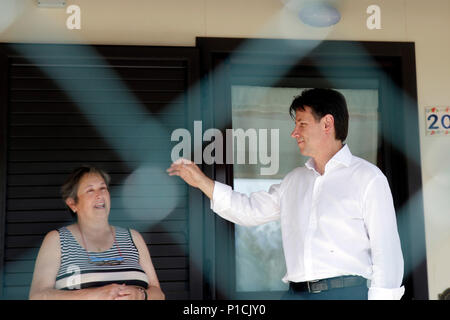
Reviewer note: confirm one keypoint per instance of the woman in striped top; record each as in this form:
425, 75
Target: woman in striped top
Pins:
92, 259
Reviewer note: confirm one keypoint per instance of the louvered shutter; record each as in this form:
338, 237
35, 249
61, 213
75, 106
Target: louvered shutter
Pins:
114, 107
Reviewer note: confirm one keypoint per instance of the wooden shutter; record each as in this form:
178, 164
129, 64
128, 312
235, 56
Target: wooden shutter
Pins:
111, 106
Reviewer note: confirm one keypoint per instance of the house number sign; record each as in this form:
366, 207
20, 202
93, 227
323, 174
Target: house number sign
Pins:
437, 121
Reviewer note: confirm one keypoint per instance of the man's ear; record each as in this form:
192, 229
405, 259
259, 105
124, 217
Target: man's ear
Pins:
328, 123
71, 204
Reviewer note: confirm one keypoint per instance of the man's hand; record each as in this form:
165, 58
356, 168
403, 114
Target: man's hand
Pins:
192, 175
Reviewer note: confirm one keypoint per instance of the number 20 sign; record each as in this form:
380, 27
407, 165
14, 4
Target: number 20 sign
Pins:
437, 121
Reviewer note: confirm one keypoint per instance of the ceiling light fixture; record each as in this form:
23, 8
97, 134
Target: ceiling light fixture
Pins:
319, 15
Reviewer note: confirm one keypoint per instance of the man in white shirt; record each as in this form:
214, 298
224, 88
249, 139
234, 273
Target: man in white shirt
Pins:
338, 222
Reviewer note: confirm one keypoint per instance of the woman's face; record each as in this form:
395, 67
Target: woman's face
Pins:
93, 197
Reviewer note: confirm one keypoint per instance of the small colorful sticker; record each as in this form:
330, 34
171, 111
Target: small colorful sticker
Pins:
437, 120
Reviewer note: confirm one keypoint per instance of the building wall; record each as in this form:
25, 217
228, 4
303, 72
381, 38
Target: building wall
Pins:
179, 22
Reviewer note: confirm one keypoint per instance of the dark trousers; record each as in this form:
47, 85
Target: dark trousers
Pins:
350, 293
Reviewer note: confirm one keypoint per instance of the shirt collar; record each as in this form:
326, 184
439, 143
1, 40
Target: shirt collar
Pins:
343, 156
310, 164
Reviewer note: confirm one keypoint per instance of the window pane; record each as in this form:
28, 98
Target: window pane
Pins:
260, 263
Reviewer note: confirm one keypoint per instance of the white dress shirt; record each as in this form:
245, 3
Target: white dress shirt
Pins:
339, 223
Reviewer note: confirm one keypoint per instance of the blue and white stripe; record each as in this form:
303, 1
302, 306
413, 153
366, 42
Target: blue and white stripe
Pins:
76, 272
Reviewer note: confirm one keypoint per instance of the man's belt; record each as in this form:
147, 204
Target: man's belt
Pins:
317, 286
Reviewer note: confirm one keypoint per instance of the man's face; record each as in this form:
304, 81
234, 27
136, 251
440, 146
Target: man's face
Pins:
308, 132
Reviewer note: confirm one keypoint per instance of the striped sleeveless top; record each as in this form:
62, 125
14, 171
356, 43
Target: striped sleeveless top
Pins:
75, 271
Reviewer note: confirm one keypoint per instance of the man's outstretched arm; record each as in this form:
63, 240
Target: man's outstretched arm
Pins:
258, 208
192, 175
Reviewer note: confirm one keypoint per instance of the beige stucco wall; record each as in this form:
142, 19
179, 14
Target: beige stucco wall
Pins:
178, 22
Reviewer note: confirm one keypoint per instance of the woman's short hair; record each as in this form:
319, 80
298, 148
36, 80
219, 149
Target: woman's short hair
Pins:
323, 102
69, 189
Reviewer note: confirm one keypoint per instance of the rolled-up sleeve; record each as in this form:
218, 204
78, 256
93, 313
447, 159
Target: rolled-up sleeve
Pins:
386, 252
258, 208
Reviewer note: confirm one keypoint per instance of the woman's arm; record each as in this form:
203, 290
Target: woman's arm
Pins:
46, 268
154, 291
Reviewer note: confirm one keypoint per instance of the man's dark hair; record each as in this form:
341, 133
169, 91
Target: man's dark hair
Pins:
323, 102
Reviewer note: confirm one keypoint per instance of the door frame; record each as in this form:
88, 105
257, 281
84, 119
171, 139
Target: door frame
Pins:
395, 63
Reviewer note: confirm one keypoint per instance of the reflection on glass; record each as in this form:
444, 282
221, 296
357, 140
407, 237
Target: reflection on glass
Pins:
260, 263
